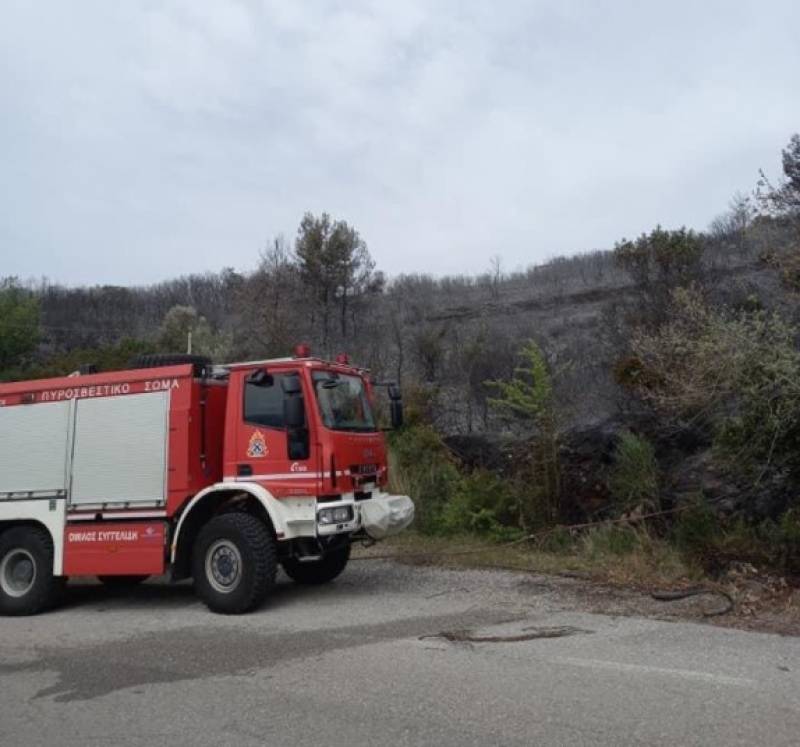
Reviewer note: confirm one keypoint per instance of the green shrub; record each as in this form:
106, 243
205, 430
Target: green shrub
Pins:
716, 543
421, 467
662, 258
790, 540
770, 545
528, 398
483, 504
696, 529
634, 477
741, 541
735, 376
19, 327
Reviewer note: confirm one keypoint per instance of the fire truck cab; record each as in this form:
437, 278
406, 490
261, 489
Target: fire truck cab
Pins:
178, 467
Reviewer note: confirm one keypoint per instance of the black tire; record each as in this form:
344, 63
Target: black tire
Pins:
234, 562
121, 582
318, 571
159, 360
27, 583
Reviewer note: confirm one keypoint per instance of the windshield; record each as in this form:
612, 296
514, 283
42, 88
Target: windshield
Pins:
343, 402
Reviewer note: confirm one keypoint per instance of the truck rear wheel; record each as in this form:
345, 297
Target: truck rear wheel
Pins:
327, 568
234, 562
27, 583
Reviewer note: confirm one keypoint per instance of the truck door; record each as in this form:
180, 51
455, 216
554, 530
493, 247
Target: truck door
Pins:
266, 450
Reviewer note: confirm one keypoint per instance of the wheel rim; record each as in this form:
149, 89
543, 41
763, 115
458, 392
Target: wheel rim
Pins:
223, 566
17, 573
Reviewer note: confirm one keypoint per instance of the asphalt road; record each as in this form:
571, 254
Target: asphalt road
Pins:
359, 662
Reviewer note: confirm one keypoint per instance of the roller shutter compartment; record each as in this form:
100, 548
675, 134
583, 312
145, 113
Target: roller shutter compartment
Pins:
120, 452
33, 447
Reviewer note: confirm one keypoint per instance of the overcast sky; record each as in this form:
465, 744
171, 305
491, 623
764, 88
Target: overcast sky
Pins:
140, 140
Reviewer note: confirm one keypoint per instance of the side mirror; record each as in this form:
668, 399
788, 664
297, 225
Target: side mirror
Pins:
396, 410
260, 377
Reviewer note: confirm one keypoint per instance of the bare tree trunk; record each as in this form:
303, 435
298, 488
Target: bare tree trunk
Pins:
325, 319
344, 313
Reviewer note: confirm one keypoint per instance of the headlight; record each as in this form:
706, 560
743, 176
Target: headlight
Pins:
338, 515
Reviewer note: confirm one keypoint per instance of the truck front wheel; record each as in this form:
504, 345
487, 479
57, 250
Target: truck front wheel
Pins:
327, 568
27, 583
234, 562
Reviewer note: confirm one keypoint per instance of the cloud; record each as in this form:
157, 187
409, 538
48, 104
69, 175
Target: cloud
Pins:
147, 139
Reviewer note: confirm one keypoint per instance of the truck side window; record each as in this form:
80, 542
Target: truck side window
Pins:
264, 404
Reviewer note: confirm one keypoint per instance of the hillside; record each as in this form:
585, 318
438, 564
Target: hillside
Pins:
658, 375
449, 334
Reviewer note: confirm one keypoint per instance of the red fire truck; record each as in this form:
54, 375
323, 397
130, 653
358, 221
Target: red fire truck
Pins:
178, 467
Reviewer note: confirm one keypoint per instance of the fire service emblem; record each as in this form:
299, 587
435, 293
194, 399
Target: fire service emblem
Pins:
257, 447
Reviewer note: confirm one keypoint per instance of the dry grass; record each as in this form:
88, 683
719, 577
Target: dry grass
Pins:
631, 558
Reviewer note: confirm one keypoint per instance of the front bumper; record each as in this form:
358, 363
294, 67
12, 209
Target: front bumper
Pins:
380, 516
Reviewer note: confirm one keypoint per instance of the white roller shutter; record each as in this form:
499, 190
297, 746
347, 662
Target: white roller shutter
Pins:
33, 447
120, 453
